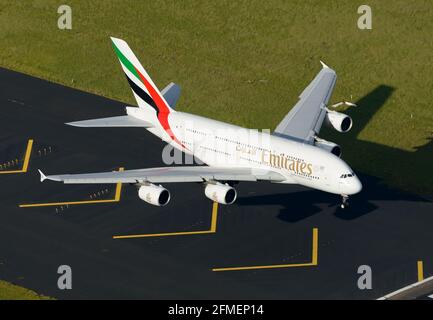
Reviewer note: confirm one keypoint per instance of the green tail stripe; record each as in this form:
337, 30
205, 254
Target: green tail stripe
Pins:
126, 62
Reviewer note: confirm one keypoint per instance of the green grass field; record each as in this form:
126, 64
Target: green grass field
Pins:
12, 292
246, 62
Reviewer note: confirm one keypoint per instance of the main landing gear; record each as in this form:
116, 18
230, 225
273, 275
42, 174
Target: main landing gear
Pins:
344, 202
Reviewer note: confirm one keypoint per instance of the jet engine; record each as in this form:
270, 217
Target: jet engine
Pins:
221, 193
339, 121
153, 194
328, 146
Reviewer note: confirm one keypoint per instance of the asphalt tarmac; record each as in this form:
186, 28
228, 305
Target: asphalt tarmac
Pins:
270, 224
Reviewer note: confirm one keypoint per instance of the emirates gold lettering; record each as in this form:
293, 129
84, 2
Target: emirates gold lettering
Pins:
284, 162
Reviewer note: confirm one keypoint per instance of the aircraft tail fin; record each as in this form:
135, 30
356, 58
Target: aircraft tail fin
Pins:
145, 91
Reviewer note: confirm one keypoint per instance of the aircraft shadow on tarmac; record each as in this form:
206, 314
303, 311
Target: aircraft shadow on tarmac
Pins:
303, 204
408, 168
300, 205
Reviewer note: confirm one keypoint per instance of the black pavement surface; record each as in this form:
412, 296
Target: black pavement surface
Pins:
428, 296
387, 229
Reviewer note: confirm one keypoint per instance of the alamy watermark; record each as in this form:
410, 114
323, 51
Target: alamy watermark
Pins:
365, 21
64, 22
64, 282
365, 281
202, 145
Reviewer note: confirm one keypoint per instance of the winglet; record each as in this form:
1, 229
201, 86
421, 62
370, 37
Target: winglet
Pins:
324, 65
43, 177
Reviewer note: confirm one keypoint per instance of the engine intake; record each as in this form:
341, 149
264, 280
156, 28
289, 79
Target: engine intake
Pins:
153, 194
339, 121
328, 146
221, 193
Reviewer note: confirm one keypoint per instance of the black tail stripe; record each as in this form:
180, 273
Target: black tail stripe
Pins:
142, 94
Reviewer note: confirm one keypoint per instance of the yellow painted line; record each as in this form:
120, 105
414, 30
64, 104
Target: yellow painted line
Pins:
148, 235
69, 203
275, 266
47, 204
315, 252
213, 225
314, 259
166, 234
420, 271
27, 155
118, 189
26, 160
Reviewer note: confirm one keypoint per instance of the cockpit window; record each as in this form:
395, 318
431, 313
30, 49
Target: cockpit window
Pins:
347, 175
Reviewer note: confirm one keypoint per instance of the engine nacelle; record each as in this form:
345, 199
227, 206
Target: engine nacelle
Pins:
221, 193
328, 146
156, 195
339, 121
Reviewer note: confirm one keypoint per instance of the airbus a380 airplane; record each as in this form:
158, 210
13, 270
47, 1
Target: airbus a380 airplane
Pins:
292, 154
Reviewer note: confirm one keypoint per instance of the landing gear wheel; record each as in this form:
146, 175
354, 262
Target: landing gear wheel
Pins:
345, 202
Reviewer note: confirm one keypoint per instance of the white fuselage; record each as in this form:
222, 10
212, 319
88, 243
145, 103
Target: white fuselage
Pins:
220, 144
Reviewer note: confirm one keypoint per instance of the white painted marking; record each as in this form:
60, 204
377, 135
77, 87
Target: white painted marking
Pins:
414, 285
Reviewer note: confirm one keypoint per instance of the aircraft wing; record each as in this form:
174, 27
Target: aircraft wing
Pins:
170, 174
304, 121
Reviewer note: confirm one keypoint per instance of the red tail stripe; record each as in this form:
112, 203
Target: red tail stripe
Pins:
162, 107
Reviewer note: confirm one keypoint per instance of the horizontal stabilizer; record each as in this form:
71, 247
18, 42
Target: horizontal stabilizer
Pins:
171, 94
121, 121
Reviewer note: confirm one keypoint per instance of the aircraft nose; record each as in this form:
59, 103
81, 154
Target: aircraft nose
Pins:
355, 186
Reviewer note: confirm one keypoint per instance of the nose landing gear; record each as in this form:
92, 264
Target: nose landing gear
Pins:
344, 201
